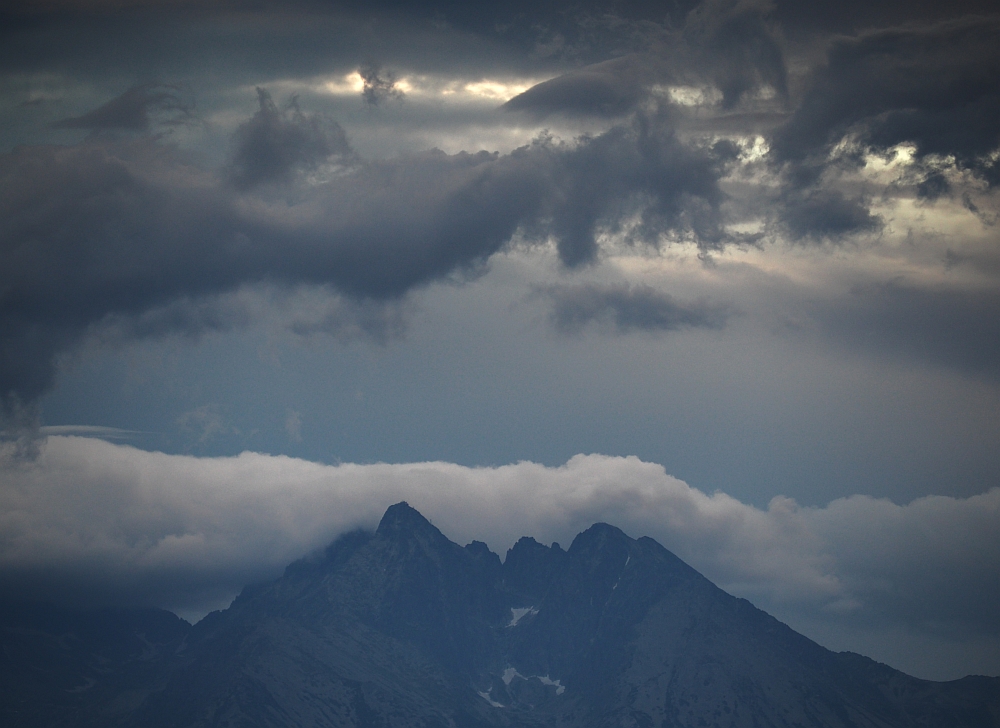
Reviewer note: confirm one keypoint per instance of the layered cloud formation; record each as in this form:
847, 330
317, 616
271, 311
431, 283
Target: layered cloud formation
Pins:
118, 228
123, 525
125, 221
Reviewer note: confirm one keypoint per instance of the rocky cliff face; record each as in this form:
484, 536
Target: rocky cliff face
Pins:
405, 628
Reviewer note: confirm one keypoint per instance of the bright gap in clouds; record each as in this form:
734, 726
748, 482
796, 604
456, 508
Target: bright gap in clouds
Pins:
122, 525
492, 91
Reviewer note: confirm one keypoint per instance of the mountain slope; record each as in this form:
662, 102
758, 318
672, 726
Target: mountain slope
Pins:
405, 628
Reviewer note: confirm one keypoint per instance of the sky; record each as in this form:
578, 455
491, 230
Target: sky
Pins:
723, 273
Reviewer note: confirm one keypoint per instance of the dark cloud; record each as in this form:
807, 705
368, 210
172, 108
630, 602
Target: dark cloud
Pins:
955, 328
238, 45
933, 186
610, 88
731, 39
379, 85
936, 87
115, 229
723, 43
852, 16
641, 170
825, 214
274, 143
630, 308
132, 110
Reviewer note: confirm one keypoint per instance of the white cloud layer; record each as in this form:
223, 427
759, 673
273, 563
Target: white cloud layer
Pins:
109, 522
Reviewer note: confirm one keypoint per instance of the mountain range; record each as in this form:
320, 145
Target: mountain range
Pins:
405, 628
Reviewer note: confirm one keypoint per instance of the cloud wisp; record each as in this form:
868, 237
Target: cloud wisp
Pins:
629, 308
136, 109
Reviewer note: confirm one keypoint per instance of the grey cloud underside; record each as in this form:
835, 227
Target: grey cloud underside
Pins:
379, 85
936, 87
733, 42
132, 110
609, 88
933, 86
128, 234
954, 328
274, 143
630, 308
819, 214
118, 228
721, 44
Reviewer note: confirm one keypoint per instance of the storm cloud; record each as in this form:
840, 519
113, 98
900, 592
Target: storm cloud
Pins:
825, 214
134, 110
936, 87
117, 228
274, 143
722, 44
610, 88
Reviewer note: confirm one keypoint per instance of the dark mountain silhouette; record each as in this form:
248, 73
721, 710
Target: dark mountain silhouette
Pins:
403, 627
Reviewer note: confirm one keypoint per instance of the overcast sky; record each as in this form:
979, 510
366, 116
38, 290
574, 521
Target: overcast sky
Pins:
724, 273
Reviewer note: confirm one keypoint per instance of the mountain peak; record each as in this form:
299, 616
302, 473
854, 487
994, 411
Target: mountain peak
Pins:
598, 537
406, 627
402, 517
402, 522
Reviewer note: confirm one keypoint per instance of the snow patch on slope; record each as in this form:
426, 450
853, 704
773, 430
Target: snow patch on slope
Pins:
516, 615
486, 696
545, 680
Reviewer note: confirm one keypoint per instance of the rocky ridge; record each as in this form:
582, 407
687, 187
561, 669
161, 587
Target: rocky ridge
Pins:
403, 627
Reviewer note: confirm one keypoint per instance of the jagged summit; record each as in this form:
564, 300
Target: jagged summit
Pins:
409, 530
602, 540
403, 517
403, 627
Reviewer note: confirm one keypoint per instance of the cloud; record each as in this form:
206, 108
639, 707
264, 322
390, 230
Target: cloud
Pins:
204, 422
107, 433
942, 324
102, 522
641, 172
732, 42
130, 235
722, 44
935, 86
629, 308
131, 110
821, 214
378, 85
921, 97
273, 144
610, 88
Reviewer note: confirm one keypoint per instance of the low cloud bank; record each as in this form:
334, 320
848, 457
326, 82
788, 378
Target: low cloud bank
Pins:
95, 522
